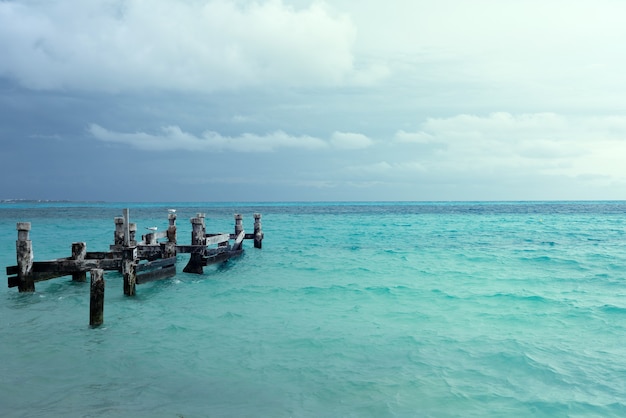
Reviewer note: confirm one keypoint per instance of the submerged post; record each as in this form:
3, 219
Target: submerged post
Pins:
24, 250
198, 238
79, 250
96, 298
258, 231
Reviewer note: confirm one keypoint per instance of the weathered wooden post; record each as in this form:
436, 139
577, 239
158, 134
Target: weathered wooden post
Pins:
79, 250
96, 298
126, 214
24, 250
198, 237
129, 270
129, 254
168, 249
171, 229
258, 231
118, 238
238, 224
132, 232
150, 238
238, 230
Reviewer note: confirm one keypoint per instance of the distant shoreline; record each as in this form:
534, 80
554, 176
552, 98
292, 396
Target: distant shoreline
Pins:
48, 201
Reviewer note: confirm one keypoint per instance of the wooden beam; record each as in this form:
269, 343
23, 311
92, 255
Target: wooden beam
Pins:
159, 274
212, 239
46, 270
148, 251
246, 236
164, 262
238, 240
102, 255
67, 266
14, 281
222, 256
191, 249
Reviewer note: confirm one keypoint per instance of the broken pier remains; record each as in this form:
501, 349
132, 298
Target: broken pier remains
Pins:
137, 261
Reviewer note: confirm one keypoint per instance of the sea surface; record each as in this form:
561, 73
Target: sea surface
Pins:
434, 309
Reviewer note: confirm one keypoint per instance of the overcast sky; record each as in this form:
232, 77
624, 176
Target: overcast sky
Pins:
238, 100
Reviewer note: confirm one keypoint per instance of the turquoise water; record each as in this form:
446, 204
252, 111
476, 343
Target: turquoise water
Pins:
349, 310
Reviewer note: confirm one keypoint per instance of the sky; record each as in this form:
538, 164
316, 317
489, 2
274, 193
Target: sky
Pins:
307, 100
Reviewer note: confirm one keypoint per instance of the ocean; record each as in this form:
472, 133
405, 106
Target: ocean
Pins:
394, 309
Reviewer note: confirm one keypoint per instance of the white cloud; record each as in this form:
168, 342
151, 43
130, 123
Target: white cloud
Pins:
414, 137
385, 169
173, 138
539, 143
542, 53
350, 141
201, 45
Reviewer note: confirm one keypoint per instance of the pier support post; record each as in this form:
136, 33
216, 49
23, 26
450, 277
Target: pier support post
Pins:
258, 231
168, 249
198, 237
96, 298
118, 237
24, 250
238, 230
132, 233
126, 213
171, 229
238, 224
129, 270
79, 250
150, 238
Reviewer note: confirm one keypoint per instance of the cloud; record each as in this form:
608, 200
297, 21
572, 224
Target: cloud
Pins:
414, 137
200, 45
532, 54
536, 143
384, 168
350, 141
173, 138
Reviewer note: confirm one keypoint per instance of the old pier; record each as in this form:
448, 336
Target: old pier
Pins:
137, 261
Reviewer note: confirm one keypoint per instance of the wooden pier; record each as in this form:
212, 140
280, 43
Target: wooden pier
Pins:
137, 261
